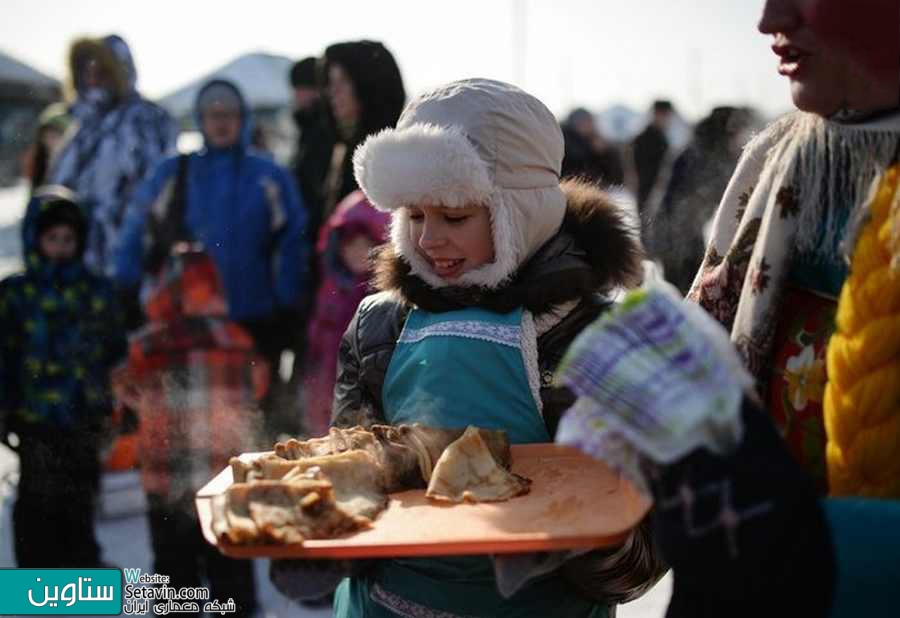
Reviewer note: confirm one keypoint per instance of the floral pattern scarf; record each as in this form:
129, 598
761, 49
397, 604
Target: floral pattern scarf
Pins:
792, 181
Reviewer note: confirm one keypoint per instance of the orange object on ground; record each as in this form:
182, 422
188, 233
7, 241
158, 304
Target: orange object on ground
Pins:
124, 454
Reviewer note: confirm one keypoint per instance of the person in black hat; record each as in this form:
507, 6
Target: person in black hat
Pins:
650, 148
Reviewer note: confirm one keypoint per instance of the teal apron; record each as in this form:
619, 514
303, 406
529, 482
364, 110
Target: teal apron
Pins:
456, 369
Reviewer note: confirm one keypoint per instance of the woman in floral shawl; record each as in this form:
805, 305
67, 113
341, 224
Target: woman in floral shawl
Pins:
777, 260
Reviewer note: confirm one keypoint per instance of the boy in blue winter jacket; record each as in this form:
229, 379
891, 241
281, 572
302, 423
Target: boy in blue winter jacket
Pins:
62, 333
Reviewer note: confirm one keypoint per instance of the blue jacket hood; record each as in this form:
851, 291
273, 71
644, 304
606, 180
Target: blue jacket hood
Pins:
50, 205
246, 119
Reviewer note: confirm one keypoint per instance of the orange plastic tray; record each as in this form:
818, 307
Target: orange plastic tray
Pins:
575, 501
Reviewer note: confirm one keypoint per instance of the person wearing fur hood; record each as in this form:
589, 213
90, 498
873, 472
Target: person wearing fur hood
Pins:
115, 141
492, 269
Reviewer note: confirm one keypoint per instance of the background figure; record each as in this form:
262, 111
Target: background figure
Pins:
119, 138
244, 209
697, 181
315, 141
62, 333
312, 157
259, 140
649, 149
196, 381
366, 95
343, 247
52, 125
588, 155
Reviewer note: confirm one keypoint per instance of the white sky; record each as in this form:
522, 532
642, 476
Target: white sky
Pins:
595, 53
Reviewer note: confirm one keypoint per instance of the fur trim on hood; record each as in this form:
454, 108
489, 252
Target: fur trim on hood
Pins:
475, 142
595, 251
114, 57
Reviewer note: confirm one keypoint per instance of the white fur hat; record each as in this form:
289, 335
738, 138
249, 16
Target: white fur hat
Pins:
475, 141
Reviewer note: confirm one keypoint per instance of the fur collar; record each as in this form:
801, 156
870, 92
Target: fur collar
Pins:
594, 251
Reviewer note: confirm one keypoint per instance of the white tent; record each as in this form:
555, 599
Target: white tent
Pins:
263, 78
22, 82
24, 92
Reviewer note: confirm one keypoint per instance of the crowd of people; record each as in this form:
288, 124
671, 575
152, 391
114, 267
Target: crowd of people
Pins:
457, 259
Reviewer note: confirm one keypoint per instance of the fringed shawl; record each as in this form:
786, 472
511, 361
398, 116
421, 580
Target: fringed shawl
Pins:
790, 185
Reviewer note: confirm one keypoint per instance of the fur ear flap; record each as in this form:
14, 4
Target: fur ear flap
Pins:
422, 164
602, 228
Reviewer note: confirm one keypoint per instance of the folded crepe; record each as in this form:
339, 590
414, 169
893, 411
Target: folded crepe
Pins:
325, 487
468, 472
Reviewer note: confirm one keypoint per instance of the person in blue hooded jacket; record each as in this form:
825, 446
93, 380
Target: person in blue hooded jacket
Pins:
242, 207
116, 140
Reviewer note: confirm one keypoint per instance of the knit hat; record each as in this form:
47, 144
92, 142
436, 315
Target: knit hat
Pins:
471, 142
219, 93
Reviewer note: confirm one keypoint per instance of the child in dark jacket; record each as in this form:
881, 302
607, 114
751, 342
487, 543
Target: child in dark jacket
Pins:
61, 335
492, 269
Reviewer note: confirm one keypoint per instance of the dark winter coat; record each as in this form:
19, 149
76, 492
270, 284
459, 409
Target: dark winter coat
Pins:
697, 182
311, 161
61, 334
591, 254
584, 160
675, 229
650, 148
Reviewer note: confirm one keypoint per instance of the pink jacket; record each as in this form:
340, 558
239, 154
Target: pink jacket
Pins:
338, 295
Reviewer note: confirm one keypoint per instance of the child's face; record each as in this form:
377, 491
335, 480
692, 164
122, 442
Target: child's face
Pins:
452, 240
58, 243
355, 253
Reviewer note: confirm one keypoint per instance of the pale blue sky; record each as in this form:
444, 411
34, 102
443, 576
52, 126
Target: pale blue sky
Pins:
594, 53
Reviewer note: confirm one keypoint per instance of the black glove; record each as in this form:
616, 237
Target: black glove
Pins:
743, 529
303, 580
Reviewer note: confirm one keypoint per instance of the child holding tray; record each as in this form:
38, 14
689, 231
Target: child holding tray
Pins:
492, 269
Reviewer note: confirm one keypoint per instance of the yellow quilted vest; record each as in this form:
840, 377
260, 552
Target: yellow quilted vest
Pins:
862, 397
